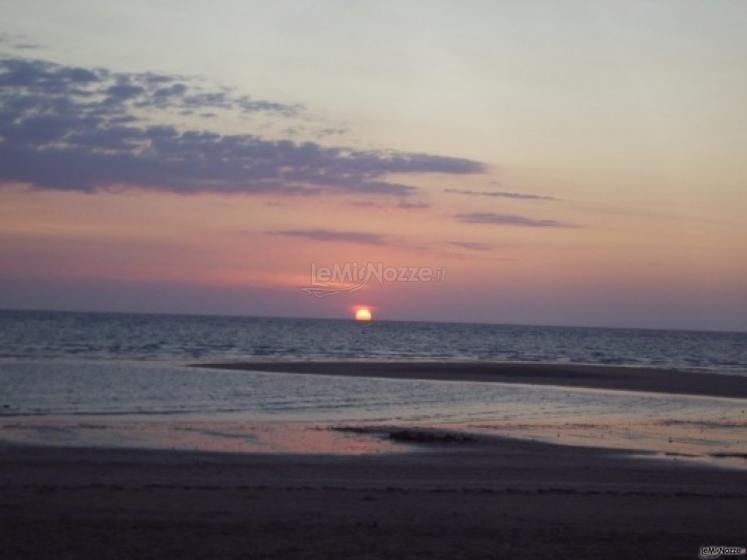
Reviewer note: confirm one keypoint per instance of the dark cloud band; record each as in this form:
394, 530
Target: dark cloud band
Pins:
508, 220
502, 194
357, 237
81, 129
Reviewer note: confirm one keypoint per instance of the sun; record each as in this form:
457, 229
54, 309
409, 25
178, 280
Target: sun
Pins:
363, 314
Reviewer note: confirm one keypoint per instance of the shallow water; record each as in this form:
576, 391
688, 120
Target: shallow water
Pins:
147, 404
119, 379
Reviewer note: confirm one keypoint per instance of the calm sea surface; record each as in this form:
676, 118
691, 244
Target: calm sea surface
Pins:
179, 338
119, 379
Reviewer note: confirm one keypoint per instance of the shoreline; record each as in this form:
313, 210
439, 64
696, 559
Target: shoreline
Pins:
619, 378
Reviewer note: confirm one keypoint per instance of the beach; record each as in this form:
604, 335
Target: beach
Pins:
494, 498
379, 490
197, 437
669, 381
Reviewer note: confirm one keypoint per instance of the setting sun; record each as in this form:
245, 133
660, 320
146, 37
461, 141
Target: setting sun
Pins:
363, 314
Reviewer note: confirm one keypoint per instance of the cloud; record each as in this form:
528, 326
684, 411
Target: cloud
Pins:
18, 42
357, 237
502, 194
508, 220
90, 129
401, 205
27, 46
472, 245
405, 205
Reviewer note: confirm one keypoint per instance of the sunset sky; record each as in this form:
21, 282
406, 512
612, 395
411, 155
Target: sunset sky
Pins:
579, 163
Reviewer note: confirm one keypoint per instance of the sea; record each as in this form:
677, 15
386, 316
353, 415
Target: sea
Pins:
119, 379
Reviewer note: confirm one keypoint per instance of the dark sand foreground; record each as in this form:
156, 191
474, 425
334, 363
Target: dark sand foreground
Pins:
586, 376
496, 498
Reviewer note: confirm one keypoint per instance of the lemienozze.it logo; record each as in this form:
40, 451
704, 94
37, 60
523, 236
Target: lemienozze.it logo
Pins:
351, 277
712, 552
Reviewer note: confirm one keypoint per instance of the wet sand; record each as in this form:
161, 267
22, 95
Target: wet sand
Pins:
421, 492
584, 376
487, 498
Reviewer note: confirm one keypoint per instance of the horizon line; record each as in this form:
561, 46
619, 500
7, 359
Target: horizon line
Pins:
352, 320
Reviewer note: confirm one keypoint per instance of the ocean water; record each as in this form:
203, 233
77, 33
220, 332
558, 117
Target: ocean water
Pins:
188, 339
120, 379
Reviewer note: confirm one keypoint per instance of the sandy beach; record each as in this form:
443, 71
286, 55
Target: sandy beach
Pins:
492, 498
571, 375
592, 484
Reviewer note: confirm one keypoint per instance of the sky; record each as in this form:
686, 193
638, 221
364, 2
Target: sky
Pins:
563, 163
